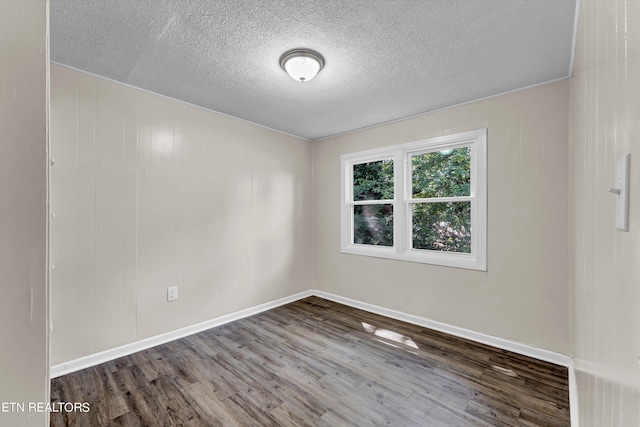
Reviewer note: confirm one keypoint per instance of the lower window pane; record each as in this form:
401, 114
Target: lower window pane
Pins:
442, 226
373, 225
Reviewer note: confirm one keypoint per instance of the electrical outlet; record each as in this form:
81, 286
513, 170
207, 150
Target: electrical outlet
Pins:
172, 293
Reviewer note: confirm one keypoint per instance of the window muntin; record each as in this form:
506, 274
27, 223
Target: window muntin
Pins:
423, 201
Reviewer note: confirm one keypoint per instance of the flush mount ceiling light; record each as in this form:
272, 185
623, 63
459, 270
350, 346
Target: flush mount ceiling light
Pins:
302, 64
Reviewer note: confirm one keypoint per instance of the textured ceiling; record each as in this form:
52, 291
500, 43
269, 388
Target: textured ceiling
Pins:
385, 59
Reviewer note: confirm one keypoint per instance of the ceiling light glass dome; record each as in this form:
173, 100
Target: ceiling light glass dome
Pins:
302, 64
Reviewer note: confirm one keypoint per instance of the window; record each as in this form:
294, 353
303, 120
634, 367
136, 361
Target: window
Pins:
423, 201
373, 202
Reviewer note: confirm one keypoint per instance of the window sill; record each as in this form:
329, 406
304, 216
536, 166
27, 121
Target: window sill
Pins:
442, 259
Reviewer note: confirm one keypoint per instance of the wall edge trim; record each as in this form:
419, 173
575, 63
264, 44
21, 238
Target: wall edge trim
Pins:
523, 349
133, 347
574, 414
574, 40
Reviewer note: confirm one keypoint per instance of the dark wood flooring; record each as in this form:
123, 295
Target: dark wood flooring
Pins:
317, 363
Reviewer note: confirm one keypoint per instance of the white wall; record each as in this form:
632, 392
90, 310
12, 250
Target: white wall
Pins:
605, 124
523, 297
147, 193
24, 371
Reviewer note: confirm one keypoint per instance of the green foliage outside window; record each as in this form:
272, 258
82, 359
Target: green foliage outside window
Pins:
440, 226
373, 224
373, 180
441, 173
436, 226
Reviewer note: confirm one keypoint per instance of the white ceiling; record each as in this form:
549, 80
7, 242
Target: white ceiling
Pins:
385, 59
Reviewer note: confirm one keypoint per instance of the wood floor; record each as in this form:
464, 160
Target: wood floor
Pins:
317, 363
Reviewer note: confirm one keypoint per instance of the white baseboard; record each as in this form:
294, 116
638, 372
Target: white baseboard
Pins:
524, 349
127, 349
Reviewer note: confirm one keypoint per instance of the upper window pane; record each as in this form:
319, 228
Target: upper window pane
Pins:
444, 173
373, 180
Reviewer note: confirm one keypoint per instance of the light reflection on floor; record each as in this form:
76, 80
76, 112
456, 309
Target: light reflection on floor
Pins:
386, 334
505, 371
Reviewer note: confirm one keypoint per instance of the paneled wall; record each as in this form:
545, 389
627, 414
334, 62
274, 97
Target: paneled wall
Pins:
605, 125
24, 370
148, 193
523, 295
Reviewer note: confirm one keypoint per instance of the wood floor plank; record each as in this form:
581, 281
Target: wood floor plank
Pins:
216, 413
318, 363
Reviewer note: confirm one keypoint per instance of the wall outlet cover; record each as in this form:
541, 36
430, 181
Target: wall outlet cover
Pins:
172, 293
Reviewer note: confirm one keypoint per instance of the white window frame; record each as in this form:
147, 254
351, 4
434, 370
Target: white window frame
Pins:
476, 140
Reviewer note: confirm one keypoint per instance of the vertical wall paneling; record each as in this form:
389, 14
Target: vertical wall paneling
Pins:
24, 329
129, 196
143, 232
160, 217
85, 188
180, 167
605, 125
212, 231
109, 215
523, 296
193, 218
155, 193
64, 212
